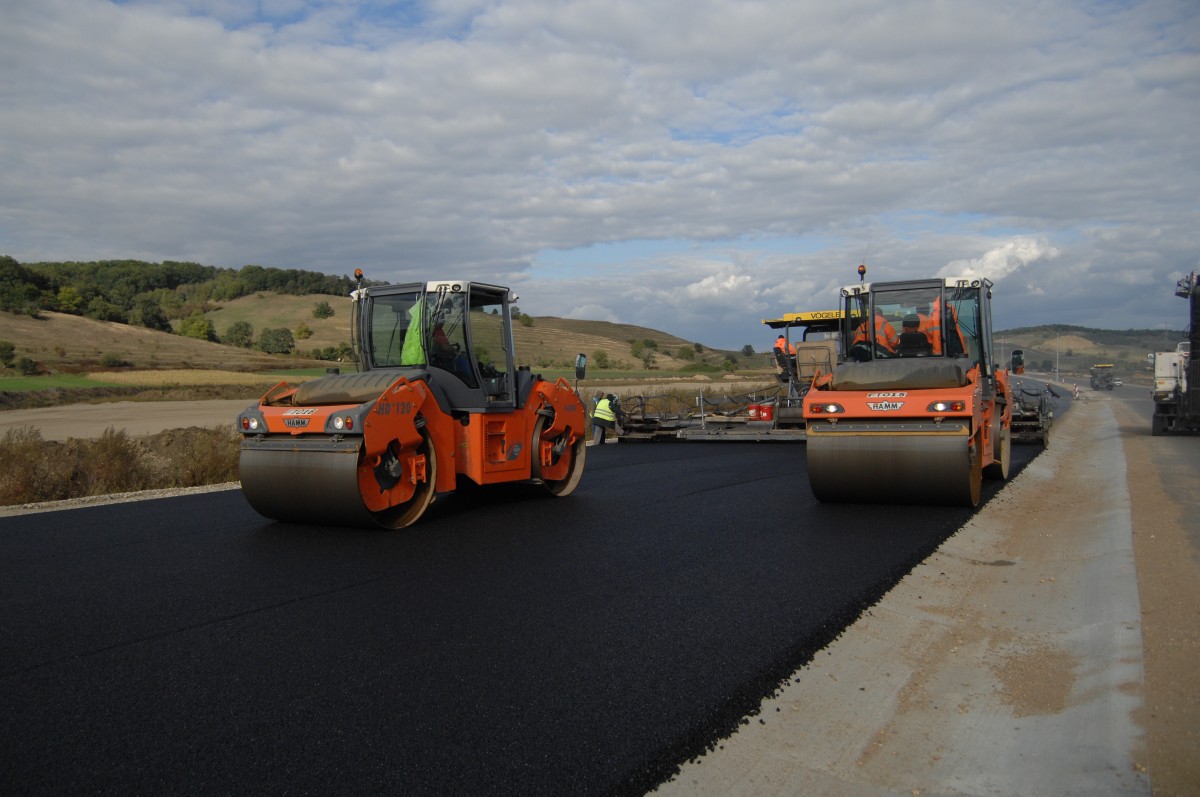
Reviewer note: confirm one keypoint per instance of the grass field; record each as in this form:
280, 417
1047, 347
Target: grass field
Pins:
68, 344
55, 381
273, 310
157, 379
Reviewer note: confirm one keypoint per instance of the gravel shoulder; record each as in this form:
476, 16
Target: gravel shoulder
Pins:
1163, 474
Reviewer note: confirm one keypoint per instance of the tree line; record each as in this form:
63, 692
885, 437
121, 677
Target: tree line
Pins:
152, 295
146, 294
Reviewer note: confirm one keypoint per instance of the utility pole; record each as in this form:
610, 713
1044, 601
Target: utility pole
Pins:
1056, 377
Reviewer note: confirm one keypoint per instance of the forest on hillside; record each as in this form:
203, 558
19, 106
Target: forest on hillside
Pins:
146, 294
153, 295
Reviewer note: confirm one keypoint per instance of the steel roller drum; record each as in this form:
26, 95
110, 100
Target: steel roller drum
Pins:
866, 463
305, 482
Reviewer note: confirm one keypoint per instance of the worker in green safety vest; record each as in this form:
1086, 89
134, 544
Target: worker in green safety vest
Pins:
604, 417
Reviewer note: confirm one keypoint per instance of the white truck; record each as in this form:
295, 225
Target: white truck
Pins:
1177, 374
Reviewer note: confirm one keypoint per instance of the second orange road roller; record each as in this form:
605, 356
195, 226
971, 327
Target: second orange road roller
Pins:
919, 410
438, 396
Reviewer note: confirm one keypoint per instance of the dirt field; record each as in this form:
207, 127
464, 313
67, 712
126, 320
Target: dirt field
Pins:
1166, 542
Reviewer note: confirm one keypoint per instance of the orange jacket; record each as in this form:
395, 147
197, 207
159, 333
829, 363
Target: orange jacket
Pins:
885, 333
932, 326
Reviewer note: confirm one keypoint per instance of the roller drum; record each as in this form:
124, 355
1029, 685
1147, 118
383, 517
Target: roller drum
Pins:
867, 465
310, 484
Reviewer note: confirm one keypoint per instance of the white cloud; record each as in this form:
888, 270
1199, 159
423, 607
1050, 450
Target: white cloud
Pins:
1002, 261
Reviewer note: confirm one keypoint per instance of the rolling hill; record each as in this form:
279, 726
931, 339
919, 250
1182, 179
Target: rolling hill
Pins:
72, 344
1074, 350
61, 343
546, 342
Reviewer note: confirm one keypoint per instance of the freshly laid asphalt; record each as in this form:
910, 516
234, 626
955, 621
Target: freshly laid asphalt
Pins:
510, 643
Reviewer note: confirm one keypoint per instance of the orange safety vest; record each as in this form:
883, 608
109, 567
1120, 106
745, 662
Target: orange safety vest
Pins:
781, 345
925, 327
932, 326
885, 333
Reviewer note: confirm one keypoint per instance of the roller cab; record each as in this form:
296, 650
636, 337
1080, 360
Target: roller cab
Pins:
437, 396
917, 411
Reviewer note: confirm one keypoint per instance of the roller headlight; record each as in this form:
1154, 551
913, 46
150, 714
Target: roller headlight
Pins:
825, 409
947, 406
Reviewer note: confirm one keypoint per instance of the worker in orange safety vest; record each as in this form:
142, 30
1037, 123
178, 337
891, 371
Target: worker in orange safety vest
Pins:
931, 325
885, 333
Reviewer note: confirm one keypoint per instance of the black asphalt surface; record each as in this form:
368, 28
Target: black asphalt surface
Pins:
510, 643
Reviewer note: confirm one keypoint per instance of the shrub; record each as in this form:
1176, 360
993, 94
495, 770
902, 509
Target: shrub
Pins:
322, 310
342, 351
8, 353
240, 334
198, 327
201, 456
112, 465
699, 368
53, 471
112, 360
33, 474
27, 367
276, 341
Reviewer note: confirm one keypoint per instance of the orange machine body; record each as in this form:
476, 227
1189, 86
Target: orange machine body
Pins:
375, 447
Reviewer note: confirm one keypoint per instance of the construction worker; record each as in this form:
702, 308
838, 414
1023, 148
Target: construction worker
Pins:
413, 352
913, 342
925, 322
933, 328
885, 333
785, 356
604, 417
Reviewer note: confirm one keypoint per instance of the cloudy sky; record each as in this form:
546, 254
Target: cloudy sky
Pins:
689, 165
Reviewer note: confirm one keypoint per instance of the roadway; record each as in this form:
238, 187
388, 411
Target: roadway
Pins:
509, 643
689, 597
